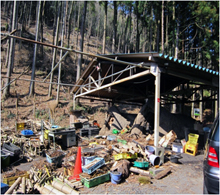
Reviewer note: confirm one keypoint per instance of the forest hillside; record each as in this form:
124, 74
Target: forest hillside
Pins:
187, 30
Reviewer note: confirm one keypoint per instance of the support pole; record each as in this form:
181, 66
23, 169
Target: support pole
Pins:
157, 107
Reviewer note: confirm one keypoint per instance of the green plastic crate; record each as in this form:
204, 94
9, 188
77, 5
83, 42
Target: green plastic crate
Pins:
89, 183
144, 164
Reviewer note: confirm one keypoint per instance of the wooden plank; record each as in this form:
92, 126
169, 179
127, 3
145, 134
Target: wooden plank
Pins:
163, 173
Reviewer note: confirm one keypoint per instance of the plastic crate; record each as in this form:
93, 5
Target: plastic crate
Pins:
95, 181
87, 159
92, 166
10, 180
193, 138
126, 155
144, 164
57, 159
4, 188
13, 148
27, 132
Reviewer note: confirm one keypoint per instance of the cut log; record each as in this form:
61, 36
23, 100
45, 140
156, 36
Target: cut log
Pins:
163, 173
140, 171
63, 188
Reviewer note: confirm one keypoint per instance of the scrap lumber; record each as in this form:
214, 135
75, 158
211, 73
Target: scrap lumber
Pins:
63, 187
163, 173
140, 171
14, 185
43, 190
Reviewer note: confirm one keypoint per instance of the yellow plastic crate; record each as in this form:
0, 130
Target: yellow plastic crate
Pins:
11, 180
191, 149
193, 138
125, 155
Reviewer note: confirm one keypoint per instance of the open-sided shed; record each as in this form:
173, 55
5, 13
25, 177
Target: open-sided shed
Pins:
135, 77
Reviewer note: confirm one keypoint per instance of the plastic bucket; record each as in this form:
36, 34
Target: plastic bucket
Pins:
149, 150
155, 160
115, 177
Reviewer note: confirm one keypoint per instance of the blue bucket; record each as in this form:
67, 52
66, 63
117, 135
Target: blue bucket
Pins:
115, 177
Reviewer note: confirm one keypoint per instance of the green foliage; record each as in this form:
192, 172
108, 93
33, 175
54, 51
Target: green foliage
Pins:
206, 93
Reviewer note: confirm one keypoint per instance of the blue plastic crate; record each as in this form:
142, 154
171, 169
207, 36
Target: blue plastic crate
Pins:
87, 159
92, 166
4, 188
27, 132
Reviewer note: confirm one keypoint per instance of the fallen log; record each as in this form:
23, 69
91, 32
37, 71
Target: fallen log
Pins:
54, 190
42, 189
163, 173
140, 171
64, 188
14, 185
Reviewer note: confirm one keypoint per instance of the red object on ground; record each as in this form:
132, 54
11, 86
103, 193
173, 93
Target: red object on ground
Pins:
78, 166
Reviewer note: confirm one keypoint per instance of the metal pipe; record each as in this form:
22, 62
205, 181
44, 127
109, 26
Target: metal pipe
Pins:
116, 82
42, 81
157, 107
76, 51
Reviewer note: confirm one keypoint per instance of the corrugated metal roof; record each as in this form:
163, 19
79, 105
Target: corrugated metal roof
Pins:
185, 63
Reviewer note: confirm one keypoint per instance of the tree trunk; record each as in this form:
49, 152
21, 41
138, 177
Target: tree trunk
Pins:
54, 51
162, 28
61, 52
166, 42
15, 27
6, 91
177, 40
151, 29
173, 43
29, 21
55, 20
105, 26
137, 27
82, 40
158, 35
31, 90
115, 27
69, 24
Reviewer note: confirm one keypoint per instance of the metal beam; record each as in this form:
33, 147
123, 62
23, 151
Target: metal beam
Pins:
75, 51
115, 82
157, 106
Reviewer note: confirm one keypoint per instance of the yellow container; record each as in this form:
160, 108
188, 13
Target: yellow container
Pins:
11, 180
126, 155
46, 134
20, 126
193, 138
191, 149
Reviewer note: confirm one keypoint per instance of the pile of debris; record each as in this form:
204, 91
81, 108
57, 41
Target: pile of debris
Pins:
112, 153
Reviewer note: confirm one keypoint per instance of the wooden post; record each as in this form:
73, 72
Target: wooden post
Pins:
16, 109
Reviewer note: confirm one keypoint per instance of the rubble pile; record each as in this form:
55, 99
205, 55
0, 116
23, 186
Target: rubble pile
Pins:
112, 153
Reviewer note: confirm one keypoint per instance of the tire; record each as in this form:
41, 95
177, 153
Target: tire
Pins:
205, 191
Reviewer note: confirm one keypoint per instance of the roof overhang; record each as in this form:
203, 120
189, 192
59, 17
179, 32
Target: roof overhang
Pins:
130, 78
